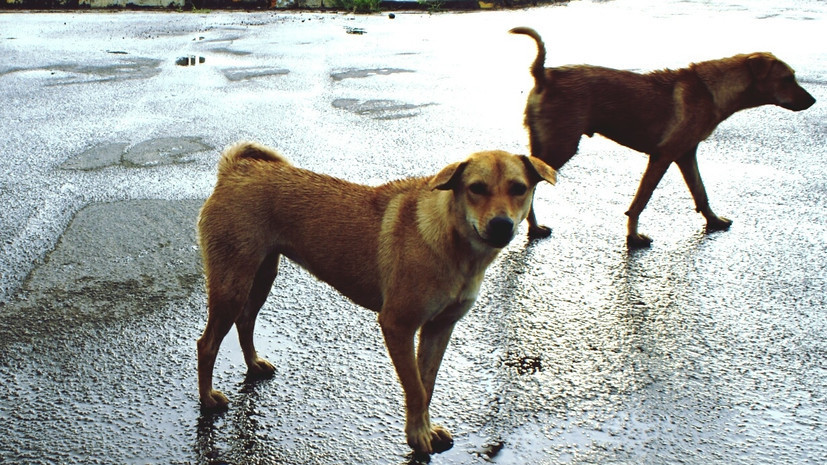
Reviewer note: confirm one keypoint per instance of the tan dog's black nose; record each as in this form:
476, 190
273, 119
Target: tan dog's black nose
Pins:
499, 231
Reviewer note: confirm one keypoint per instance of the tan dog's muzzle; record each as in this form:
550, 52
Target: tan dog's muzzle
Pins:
498, 232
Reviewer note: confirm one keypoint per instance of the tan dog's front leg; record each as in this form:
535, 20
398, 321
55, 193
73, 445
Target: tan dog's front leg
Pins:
688, 165
399, 338
433, 340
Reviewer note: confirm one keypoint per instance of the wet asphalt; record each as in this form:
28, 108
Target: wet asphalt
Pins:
705, 348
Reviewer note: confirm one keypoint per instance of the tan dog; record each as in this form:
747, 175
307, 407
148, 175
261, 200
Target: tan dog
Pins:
664, 114
414, 251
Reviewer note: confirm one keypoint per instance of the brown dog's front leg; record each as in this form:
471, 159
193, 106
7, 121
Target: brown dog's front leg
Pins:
399, 338
655, 170
688, 165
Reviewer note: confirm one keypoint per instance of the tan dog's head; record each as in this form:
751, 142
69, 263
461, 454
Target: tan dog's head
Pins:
775, 80
493, 193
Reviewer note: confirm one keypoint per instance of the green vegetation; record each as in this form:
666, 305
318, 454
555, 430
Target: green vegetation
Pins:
359, 6
433, 6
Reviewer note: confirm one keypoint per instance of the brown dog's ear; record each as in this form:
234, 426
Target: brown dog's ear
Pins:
448, 178
538, 169
760, 64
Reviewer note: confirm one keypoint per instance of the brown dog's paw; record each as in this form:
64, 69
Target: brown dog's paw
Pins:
260, 368
215, 400
538, 232
638, 241
718, 223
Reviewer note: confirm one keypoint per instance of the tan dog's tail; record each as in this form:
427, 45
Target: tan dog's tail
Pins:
249, 151
538, 67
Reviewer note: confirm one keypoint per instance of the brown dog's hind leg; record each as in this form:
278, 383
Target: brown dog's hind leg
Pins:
554, 141
688, 165
655, 170
245, 324
535, 230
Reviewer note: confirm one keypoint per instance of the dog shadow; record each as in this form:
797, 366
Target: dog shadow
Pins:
648, 284
235, 436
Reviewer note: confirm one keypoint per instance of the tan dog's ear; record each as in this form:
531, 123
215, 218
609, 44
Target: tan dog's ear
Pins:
539, 170
760, 64
449, 176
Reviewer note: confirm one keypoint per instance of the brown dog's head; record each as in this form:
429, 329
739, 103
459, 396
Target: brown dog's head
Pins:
493, 193
775, 81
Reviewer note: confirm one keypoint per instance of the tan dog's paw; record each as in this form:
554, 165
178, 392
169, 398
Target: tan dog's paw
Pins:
718, 223
433, 440
260, 368
214, 400
441, 439
638, 241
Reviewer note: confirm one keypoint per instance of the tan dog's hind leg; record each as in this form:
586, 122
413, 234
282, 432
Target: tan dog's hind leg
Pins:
221, 316
688, 165
228, 291
257, 366
655, 170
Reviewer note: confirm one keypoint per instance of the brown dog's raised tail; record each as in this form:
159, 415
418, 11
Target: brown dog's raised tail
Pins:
538, 67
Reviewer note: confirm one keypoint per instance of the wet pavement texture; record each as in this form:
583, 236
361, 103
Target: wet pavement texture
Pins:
702, 349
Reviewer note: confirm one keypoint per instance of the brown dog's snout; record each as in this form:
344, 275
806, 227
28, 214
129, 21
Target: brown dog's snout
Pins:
792, 96
802, 101
499, 231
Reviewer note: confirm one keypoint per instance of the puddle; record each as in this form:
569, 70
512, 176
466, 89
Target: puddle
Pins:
152, 152
229, 51
123, 69
379, 109
243, 74
164, 151
355, 30
99, 156
363, 73
189, 60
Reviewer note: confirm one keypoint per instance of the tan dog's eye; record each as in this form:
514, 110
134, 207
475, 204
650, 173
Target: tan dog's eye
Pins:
517, 189
478, 188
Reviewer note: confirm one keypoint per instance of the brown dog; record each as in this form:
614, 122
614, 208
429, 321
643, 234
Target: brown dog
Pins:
664, 114
414, 251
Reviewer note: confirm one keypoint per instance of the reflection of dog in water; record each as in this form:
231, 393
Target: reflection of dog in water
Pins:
414, 250
664, 114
